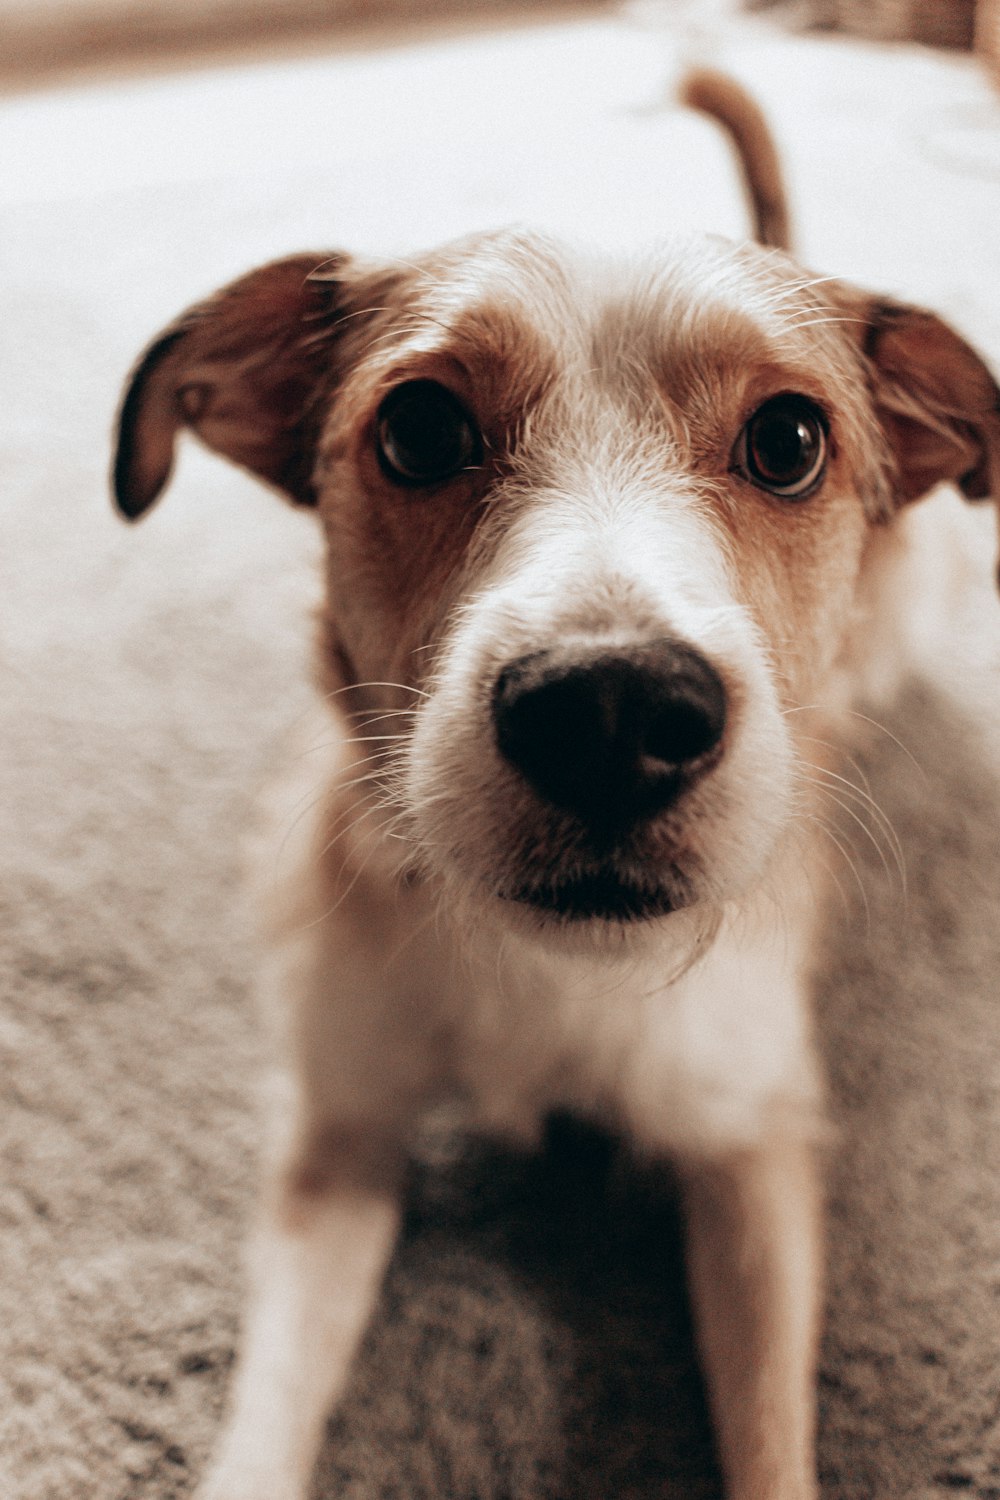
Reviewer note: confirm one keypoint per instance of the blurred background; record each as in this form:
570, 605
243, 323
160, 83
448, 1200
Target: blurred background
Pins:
533, 1342
44, 34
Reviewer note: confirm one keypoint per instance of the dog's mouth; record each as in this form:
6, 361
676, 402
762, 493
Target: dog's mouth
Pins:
602, 895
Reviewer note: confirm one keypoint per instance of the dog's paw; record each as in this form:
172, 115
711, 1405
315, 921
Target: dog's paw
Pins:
224, 1484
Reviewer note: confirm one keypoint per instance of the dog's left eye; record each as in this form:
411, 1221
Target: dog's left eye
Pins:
783, 447
424, 435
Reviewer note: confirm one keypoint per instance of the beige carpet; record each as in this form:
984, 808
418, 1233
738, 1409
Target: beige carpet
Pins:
532, 1342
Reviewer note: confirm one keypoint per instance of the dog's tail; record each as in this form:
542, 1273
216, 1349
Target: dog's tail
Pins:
726, 101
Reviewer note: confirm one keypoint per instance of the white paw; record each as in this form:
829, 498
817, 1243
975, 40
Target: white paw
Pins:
224, 1483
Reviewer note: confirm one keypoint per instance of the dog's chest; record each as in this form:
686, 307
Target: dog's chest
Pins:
679, 1066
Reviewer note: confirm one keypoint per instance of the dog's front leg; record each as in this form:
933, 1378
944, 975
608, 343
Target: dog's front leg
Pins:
754, 1272
319, 1250
358, 1052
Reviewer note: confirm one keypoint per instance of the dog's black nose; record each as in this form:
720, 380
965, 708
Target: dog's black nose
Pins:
612, 735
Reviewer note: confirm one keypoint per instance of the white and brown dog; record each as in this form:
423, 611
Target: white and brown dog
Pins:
602, 541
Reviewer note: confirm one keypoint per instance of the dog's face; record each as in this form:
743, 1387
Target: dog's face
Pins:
602, 524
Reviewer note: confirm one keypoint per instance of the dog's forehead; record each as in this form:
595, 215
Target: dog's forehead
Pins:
696, 301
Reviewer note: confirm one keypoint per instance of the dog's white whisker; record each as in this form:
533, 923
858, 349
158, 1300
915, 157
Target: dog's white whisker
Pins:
883, 729
864, 800
815, 852
358, 687
863, 793
847, 854
838, 799
313, 798
369, 739
367, 717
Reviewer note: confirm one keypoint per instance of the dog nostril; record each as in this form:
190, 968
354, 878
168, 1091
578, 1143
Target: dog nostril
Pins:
610, 736
686, 715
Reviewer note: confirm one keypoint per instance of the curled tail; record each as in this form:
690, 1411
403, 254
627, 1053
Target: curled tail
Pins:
723, 99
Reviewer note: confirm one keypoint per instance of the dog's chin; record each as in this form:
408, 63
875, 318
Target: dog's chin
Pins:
597, 898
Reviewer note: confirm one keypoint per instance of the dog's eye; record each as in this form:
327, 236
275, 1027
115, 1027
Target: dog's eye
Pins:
783, 447
424, 435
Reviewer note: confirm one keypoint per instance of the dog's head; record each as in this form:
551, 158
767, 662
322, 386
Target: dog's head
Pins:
602, 523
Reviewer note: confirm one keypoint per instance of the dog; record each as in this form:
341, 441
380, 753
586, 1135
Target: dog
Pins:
606, 545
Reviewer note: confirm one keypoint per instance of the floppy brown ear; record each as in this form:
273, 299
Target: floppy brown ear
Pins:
937, 403
245, 371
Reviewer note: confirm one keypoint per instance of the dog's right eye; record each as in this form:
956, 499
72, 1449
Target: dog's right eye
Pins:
424, 435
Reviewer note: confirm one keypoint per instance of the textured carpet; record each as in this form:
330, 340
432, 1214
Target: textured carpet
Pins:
532, 1342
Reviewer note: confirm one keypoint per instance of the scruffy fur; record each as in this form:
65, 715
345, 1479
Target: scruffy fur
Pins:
606, 511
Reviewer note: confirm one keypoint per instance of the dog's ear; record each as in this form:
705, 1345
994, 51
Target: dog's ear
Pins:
245, 370
936, 401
